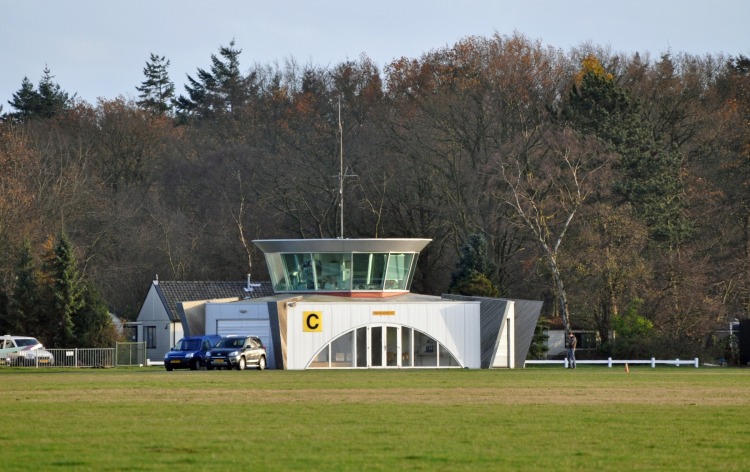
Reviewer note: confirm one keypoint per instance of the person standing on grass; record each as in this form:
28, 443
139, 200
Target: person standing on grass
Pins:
572, 343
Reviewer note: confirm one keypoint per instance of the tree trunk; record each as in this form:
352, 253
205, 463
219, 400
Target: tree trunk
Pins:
561, 296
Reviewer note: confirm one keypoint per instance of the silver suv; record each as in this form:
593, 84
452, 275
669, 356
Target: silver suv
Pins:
238, 352
24, 350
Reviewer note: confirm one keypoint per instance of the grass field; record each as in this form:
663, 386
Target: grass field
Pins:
447, 420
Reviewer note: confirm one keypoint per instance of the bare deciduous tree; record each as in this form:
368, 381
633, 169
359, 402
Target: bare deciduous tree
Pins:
546, 180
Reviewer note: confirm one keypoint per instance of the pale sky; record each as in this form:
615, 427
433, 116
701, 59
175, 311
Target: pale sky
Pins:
98, 48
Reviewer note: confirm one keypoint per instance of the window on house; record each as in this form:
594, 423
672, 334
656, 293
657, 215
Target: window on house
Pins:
588, 340
150, 335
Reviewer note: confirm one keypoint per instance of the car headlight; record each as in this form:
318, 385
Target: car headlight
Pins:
189, 355
234, 353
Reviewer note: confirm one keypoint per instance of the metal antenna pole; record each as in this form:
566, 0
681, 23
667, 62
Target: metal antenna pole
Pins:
341, 170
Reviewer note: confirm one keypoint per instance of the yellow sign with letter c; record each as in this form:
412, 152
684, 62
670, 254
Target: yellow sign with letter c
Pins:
312, 321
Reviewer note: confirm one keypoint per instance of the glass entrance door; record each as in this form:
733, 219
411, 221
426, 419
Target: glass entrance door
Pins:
376, 346
387, 347
392, 346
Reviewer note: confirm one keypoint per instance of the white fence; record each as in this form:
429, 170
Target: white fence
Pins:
609, 362
91, 357
124, 354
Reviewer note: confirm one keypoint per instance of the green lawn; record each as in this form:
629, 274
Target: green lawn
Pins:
534, 419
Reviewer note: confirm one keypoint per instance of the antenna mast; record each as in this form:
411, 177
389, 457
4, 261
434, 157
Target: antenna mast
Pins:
341, 171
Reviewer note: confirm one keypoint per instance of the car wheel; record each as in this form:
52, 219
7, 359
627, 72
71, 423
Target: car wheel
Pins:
262, 363
168, 367
195, 365
241, 364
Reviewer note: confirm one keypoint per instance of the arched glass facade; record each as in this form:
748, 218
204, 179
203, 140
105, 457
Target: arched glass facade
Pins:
377, 346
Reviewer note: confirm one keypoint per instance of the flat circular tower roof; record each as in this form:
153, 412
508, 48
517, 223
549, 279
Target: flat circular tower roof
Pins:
341, 245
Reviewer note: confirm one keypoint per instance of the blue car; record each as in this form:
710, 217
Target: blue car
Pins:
190, 352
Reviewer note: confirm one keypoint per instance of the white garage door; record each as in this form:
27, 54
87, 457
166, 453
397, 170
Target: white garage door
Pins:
260, 328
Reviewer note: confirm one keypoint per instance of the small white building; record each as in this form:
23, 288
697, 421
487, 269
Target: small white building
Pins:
324, 331
342, 303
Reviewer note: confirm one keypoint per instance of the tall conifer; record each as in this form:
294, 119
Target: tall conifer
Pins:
218, 91
650, 168
23, 313
45, 102
157, 91
66, 294
473, 271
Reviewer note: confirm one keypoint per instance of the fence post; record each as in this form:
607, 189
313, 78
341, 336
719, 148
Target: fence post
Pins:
565, 364
653, 363
696, 362
75, 359
609, 362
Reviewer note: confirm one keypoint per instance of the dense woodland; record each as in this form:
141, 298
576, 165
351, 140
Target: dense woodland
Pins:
614, 187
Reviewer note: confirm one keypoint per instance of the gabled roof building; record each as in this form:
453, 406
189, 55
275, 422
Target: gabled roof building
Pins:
173, 309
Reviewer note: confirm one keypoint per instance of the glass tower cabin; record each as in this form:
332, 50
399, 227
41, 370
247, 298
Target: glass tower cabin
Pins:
346, 267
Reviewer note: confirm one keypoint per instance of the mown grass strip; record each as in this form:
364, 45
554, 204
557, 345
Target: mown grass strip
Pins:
532, 419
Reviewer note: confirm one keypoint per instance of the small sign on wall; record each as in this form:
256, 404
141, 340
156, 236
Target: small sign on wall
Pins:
384, 313
312, 321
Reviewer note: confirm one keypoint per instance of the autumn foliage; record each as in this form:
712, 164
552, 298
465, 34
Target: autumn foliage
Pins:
608, 185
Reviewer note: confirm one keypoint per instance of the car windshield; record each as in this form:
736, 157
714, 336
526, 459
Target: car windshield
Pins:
231, 342
26, 342
189, 345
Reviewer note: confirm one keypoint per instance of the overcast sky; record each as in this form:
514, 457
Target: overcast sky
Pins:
98, 48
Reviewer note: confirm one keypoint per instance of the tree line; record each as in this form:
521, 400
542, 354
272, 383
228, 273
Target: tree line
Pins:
612, 186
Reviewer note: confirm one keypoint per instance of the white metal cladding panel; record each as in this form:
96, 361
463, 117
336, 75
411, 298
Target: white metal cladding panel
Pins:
237, 310
244, 310
453, 324
462, 333
501, 356
259, 328
505, 345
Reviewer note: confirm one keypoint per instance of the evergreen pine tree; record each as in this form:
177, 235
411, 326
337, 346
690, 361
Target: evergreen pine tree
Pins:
66, 294
23, 308
473, 271
52, 99
25, 101
157, 91
538, 347
4, 312
651, 170
93, 326
222, 90
45, 102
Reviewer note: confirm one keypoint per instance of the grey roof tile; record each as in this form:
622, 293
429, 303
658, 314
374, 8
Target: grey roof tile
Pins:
173, 291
